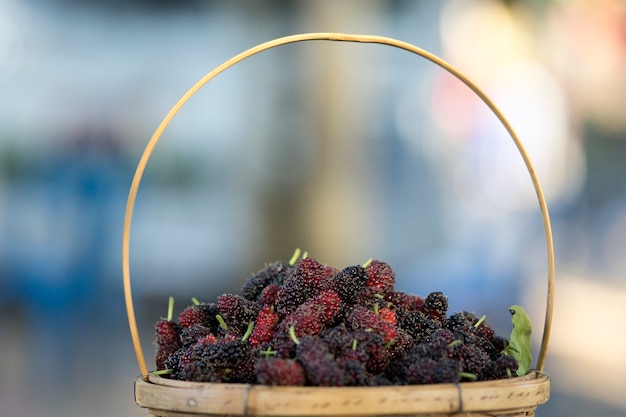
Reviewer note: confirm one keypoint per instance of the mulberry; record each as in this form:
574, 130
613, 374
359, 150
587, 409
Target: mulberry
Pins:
279, 371
272, 274
436, 306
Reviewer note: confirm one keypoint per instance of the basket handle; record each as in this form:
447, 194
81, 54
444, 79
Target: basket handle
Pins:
341, 37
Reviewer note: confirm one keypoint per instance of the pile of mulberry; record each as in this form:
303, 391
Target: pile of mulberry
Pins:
306, 323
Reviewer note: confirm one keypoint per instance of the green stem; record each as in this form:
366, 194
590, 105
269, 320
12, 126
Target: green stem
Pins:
162, 372
389, 344
292, 333
480, 321
195, 301
468, 375
248, 332
294, 257
170, 309
268, 352
223, 324
454, 343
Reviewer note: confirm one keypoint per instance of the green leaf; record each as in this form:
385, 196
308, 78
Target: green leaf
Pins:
519, 345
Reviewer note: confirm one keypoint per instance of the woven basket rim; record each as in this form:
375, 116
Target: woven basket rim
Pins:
503, 396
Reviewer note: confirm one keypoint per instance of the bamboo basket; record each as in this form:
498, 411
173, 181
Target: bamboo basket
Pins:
517, 396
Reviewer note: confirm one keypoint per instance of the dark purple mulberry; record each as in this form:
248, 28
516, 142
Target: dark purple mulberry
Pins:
436, 306
318, 362
279, 371
273, 273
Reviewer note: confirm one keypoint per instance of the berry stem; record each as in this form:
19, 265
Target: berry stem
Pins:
480, 321
268, 352
389, 344
369, 261
468, 375
454, 343
195, 301
223, 324
170, 309
162, 372
294, 257
248, 331
292, 333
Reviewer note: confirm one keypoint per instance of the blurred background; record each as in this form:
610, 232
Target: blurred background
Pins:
348, 151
